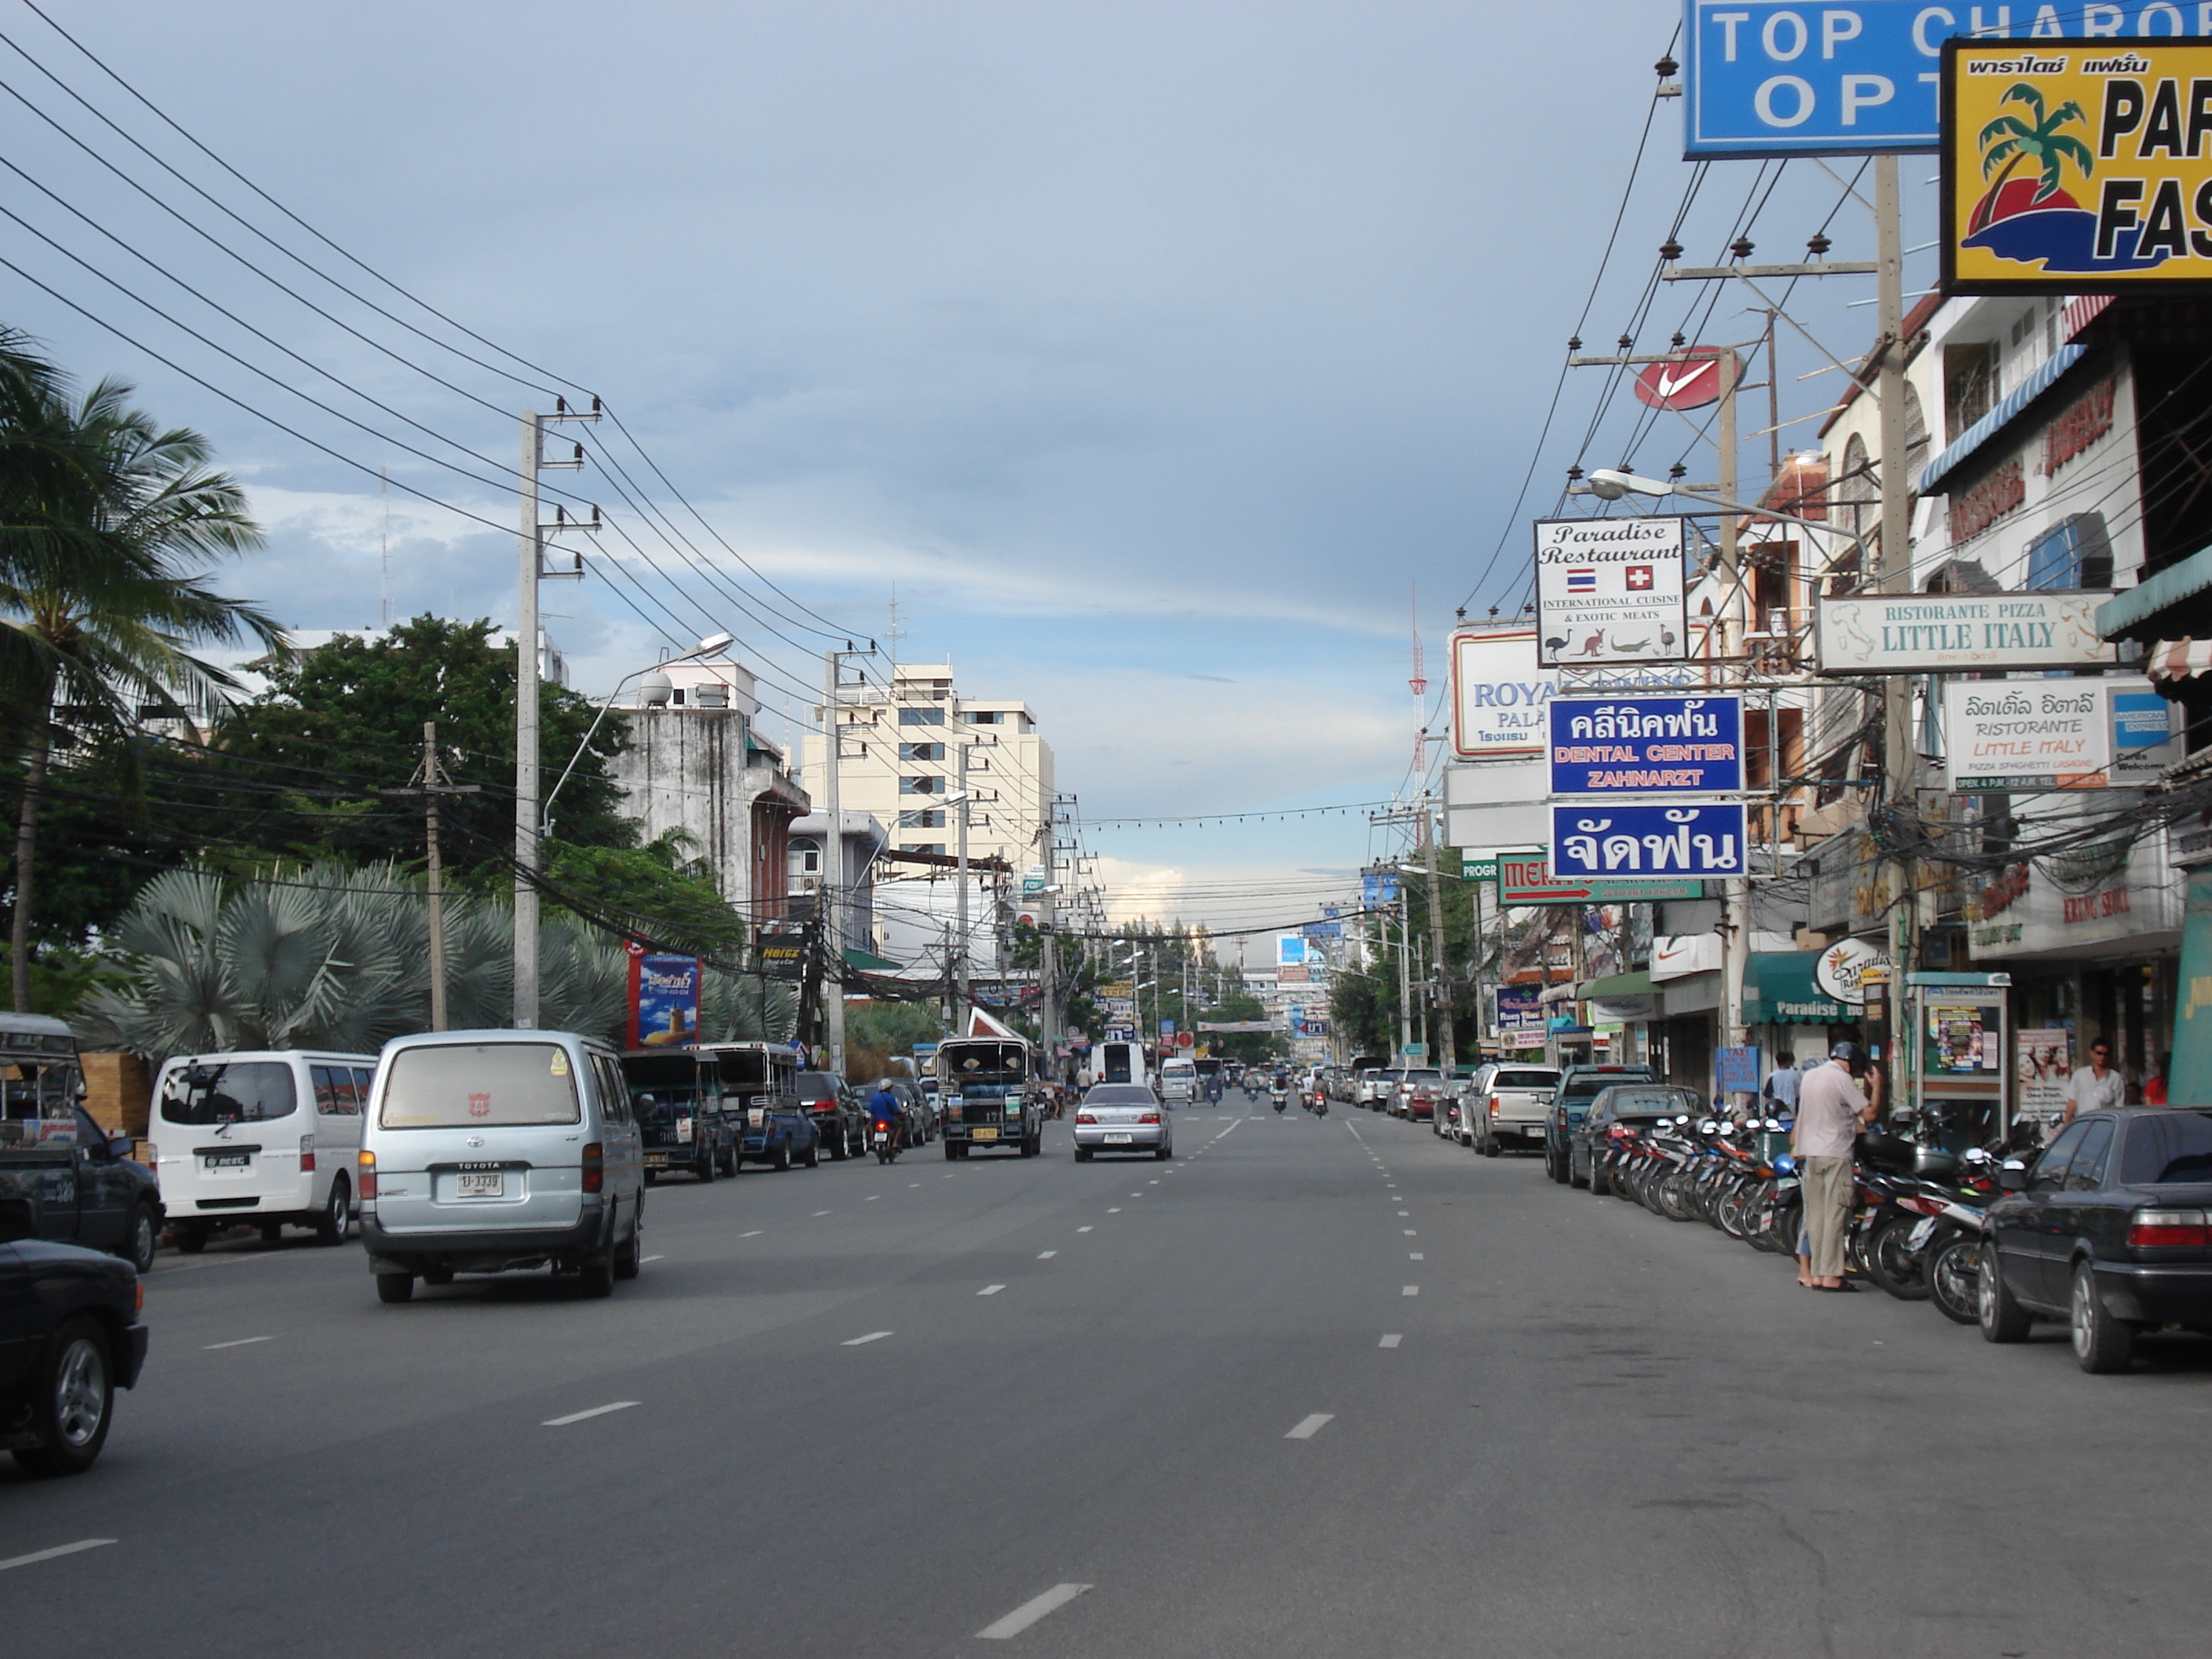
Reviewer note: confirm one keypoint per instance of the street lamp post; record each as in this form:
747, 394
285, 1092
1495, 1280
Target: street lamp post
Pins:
706, 647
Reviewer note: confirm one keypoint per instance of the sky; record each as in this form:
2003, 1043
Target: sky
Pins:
1167, 365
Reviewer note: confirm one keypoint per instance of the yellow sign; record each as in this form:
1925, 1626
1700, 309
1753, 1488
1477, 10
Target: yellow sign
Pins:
2077, 166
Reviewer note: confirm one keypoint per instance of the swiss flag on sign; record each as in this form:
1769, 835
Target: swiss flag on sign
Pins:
1638, 578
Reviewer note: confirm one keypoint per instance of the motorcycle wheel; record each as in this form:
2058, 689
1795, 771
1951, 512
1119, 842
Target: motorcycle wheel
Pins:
1954, 1279
1675, 1202
1727, 1213
1891, 1262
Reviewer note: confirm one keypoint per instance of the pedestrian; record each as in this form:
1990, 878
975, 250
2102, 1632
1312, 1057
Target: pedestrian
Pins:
1830, 1107
2096, 1085
1782, 1082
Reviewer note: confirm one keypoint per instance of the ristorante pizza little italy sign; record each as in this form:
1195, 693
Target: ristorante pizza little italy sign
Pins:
1609, 591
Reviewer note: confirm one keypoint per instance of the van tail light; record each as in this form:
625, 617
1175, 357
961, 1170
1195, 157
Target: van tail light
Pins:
2169, 1230
595, 1168
306, 1154
365, 1175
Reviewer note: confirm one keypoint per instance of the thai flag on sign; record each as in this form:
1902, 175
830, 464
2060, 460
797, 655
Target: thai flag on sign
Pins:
1638, 578
1582, 578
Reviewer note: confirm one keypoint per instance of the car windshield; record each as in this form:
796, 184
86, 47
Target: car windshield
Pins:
458, 1085
241, 1091
2171, 1149
1120, 1094
1525, 1080
1626, 1102
1581, 1088
1424, 1077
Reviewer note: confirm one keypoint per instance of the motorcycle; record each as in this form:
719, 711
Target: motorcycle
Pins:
1279, 1098
1320, 1104
883, 1142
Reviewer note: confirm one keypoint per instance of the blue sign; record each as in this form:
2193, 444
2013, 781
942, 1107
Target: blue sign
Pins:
1323, 930
1647, 746
663, 1000
1378, 887
1615, 839
1763, 78
1735, 1071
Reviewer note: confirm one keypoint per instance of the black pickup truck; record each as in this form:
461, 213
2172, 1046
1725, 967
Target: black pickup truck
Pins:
69, 1337
84, 1185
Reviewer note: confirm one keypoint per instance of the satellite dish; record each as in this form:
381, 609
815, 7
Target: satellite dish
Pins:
655, 690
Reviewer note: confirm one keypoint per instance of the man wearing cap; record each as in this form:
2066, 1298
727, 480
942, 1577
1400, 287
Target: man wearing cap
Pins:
1830, 1109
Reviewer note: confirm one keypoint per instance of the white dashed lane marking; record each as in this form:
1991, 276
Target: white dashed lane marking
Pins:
55, 1553
236, 1342
578, 1416
1310, 1426
858, 1341
1030, 1612
1391, 1341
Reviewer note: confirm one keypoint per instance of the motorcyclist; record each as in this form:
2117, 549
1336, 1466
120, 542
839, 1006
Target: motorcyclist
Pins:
885, 1108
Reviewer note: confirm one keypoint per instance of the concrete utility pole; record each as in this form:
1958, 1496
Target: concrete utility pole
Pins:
1048, 951
1736, 921
430, 783
527, 829
833, 866
960, 899
1405, 974
1440, 992
1899, 760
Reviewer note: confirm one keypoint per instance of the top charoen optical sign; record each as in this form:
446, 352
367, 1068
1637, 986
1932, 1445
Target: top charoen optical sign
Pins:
1767, 79
2074, 164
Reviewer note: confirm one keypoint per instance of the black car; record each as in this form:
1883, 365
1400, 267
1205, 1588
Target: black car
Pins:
69, 1337
84, 1185
2110, 1230
840, 1114
1637, 1104
1571, 1102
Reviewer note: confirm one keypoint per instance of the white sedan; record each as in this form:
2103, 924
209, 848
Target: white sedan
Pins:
1121, 1117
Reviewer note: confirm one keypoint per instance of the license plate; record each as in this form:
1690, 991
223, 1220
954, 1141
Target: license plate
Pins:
471, 1185
227, 1160
653, 1160
1117, 1140
987, 1134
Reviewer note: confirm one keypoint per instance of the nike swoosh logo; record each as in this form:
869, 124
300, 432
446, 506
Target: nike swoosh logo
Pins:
1668, 386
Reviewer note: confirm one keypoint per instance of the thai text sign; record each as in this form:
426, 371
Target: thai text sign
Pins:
1763, 78
1521, 1016
1655, 746
1526, 881
1608, 590
2033, 735
1618, 840
2074, 164
1960, 632
1498, 695
664, 1000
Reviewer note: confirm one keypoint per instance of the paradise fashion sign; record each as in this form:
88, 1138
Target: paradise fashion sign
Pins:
1618, 840
1960, 633
1647, 746
1608, 590
2077, 166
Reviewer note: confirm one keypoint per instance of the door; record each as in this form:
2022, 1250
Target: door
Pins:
107, 1189
2026, 1237
2075, 1207
16, 1310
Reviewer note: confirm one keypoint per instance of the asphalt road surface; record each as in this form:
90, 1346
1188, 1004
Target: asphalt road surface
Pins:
1330, 1388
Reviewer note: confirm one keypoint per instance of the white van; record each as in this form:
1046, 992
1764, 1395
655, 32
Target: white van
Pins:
1178, 1081
266, 1137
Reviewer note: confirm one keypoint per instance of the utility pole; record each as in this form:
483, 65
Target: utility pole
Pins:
1440, 989
1048, 951
960, 899
526, 785
1405, 975
1735, 924
430, 782
1900, 761
833, 864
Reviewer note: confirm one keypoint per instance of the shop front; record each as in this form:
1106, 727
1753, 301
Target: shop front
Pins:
1790, 1016
1620, 1009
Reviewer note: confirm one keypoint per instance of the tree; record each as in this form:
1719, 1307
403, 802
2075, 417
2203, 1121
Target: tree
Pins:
2038, 140
103, 559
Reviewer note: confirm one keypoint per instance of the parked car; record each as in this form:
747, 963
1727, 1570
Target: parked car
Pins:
70, 1336
1509, 1101
1639, 1104
1417, 1093
82, 1186
485, 1151
677, 1099
264, 1136
839, 1110
1578, 1085
2108, 1230
1376, 1096
1121, 1117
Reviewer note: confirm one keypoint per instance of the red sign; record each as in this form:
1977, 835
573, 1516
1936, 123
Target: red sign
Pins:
1689, 385
1185, 1040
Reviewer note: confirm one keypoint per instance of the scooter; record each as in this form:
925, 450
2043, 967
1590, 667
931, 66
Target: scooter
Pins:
883, 1139
1278, 1098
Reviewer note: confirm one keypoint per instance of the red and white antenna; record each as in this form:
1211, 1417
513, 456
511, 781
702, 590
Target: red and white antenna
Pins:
1419, 681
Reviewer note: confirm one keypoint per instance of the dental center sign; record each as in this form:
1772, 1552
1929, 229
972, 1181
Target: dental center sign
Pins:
1766, 79
1647, 746
1618, 840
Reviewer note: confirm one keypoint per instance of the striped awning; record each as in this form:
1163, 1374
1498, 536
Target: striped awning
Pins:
2179, 659
1932, 474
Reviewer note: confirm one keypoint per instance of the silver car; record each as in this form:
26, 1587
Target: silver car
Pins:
1121, 1117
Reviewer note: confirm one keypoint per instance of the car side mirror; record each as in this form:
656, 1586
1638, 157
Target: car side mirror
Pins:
18, 1220
2012, 1178
119, 1147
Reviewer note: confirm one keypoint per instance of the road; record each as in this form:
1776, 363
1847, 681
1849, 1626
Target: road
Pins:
1327, 1389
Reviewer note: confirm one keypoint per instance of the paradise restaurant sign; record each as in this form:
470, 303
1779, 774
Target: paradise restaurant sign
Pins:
1961, 633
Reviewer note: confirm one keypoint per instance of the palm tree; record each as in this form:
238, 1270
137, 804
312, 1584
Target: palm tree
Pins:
102, 568
2038, 141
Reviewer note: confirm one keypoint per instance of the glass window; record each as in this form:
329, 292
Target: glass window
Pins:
921, 751
456, 1086
2086, 1173
334, 1091
926, 785
2167, 1149
242, 1092
921, 717
363, 1078
2050, 1168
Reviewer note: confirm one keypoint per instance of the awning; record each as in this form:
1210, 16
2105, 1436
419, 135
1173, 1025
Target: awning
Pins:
2179, 659
1557, 993
1983, 430
1779, 989
2183, 579
869, 963
1618, 985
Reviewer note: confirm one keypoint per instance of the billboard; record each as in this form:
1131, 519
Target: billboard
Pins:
1647, 746
663, 1000
1960, 633
2076, 165
1378, 887
1497, 805
1521, 1016
1770, 77
1608, 590
1618, 840
1498, 694
2035, 735
1289, 948
1526, 881
1690, 383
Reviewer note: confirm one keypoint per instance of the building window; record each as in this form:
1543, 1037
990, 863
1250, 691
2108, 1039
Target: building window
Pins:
936, 847
2075, 552
921, 751
921, 785
986, 717
805, 858
921, 717
928, 817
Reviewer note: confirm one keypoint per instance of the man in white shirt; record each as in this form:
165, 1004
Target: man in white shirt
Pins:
2096, 1085
1830, 1109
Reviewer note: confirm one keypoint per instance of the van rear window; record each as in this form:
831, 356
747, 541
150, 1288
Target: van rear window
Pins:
241, 1091
462, 1086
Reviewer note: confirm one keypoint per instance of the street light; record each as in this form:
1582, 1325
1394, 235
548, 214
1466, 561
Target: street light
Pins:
706, 647
1609, 484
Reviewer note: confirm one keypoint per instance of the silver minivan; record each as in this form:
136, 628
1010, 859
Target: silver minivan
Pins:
485, 1151
266, 1137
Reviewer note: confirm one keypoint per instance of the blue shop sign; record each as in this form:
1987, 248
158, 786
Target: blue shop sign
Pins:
1647, 746
1772, 77
1615, 839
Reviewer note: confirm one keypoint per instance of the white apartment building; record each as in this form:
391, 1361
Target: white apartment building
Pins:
902, 753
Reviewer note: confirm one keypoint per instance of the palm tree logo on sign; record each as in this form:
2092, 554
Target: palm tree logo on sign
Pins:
2026, 215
